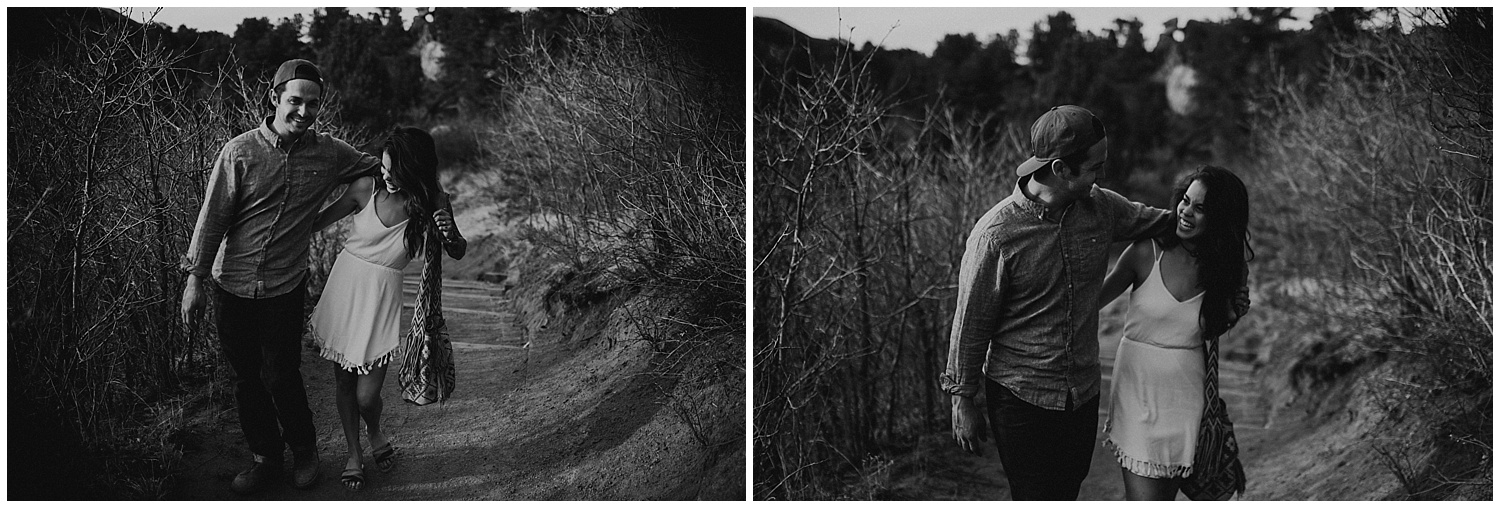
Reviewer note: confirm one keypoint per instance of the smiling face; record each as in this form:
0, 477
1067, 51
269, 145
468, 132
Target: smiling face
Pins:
297, 107
1192, 220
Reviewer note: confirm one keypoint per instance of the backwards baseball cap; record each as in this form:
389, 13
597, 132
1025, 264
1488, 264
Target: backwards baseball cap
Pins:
297, 68
1060, 132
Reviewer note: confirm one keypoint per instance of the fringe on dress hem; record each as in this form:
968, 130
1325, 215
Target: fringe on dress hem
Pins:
1148, 469
330, 354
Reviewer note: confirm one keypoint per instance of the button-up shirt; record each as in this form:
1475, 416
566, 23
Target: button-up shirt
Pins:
255, 225
1028, 291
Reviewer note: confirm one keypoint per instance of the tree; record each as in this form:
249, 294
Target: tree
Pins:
1045, 43
261, 47
368, 61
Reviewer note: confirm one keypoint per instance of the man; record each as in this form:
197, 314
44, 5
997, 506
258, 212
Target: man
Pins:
1025, 330
253, 231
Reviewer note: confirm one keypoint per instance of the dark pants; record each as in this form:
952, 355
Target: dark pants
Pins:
262, 338
1046, 454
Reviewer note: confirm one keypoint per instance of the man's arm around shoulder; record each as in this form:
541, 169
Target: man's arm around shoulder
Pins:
1132, 221
353, 163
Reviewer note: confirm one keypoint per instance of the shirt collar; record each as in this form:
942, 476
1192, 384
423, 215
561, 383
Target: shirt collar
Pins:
275, 139
1025, 201
1030, 205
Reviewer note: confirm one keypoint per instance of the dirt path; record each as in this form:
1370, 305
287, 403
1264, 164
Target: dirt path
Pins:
568, 417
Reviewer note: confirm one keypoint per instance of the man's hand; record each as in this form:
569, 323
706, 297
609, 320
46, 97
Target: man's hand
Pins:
193, 301
968, 424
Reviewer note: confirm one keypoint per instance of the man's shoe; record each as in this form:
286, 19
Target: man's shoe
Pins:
257, 477
305, 469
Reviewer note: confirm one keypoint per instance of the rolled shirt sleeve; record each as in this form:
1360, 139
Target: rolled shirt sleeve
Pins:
215, 216
981, 288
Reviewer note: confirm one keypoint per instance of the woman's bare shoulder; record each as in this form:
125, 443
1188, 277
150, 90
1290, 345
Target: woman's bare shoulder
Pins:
363, 185
359, 191
1140, 254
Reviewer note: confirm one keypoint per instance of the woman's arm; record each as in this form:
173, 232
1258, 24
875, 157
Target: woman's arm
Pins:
1239, 305
346, 204
1125, 272
453, 241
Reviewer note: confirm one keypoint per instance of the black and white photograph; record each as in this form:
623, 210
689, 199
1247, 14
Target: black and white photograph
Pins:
1122, 253
453, 253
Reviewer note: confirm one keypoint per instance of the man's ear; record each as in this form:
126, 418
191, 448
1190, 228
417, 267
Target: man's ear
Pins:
1063, 170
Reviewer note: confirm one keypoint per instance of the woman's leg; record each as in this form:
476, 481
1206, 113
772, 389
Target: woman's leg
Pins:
345, 387
1140, 488
370, 405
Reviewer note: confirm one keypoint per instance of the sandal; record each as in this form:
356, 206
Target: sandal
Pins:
385, 457
353, 478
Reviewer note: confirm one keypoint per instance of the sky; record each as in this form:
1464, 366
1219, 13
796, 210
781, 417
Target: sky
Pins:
920, 29
226, 19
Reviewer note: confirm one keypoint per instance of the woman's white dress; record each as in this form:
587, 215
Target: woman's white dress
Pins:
1156, 397
357, 320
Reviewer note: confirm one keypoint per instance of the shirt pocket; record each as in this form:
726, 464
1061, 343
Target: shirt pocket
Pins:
308, 184
1095, 249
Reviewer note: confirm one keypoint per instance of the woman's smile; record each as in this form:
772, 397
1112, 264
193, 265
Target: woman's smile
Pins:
1184, 225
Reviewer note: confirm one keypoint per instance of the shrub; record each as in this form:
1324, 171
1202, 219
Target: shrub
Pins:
107, 157
623, 148
861, 217
633, 153
1378, 195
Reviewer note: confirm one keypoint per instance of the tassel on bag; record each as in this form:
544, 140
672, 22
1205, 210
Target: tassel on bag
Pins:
428, 374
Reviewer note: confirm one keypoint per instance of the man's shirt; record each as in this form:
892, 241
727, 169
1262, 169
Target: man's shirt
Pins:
1028, 290
256, 222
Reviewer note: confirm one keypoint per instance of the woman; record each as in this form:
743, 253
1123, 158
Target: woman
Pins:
356, 323
1188, 288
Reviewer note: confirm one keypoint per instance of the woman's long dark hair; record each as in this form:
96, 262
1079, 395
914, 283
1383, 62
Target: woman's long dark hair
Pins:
414, 169
1222, 253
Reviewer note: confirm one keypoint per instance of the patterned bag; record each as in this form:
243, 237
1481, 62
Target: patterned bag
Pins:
428, 373
1217, 473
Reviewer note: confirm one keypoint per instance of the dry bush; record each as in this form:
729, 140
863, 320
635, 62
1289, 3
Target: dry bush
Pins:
625, 156
635, 153
860, 219
106, 168
1376, 217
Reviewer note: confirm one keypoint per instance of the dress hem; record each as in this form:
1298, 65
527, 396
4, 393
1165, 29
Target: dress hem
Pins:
1145, 468
335, 356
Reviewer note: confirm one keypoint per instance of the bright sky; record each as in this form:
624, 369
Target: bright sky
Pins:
921, 28
226, 19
